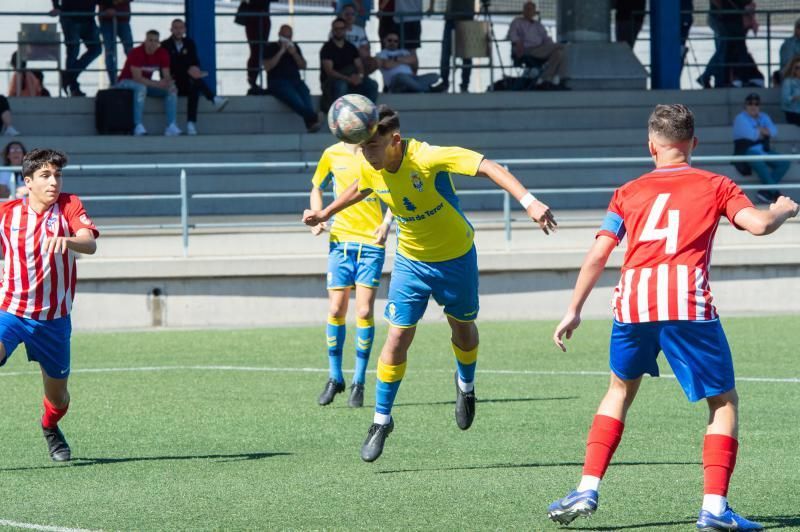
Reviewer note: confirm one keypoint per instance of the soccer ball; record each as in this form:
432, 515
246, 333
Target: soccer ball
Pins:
353, 118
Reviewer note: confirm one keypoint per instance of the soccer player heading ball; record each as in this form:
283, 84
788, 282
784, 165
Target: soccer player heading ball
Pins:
663, 302
39, 235
435, 256
355, 261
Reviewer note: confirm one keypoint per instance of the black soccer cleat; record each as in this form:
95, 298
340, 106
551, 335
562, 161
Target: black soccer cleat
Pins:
57, 445
376, 437
356, 399
465, 407
332, 387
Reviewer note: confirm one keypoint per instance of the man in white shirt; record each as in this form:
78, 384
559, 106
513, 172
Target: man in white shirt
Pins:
358, 38
398, 66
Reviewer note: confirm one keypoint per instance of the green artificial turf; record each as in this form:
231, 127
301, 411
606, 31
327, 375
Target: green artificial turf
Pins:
204, 448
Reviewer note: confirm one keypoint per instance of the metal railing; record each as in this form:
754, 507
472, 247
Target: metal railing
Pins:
497, 66
183, 196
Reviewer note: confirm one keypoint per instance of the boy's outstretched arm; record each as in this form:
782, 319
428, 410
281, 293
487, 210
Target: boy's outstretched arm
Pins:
591, 270
759, 223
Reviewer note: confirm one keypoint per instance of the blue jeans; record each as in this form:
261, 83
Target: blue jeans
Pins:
140, 92
77, 29
770, 172
110, 44
296, 95
412, 83
368, 88
447, 51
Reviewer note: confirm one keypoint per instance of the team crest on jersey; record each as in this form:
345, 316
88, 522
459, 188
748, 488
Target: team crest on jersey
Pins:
416, 181
408, 205
51, 222
85, 220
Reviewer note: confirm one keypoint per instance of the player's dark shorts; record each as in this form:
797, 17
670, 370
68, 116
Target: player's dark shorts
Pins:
46, 341
452, 283
351, 263
697, 352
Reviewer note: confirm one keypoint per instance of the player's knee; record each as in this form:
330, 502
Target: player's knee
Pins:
729, 399
621, 390
364, 312
465, 335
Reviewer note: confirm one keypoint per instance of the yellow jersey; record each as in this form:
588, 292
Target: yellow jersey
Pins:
341, 167
421, 194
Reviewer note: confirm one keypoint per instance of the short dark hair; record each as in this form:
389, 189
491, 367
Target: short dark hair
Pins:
38, 158
351, 6
339, 19
388, 120
177, 20
152, 32
673, 122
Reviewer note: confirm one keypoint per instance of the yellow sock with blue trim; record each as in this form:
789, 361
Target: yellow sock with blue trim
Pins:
365, 333
335, 332
388, 383
466, 361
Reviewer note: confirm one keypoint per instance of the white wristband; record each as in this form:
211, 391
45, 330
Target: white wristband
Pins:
526, 200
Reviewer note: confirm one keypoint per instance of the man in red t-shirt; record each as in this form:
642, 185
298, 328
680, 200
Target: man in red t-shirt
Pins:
137, 75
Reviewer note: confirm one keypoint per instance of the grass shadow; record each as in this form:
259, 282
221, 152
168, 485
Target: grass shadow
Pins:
80, 461
515, 466
480, 401
777, 521
643, 526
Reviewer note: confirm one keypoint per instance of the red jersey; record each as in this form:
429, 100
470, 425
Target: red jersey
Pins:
38, 285
670, 216
149, 63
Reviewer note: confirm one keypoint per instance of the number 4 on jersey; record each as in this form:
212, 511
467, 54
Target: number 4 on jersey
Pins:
670, 232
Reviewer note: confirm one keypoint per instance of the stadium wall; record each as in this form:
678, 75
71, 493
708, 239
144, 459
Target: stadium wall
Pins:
253, 292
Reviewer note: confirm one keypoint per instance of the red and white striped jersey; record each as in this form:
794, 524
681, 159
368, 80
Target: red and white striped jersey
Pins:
670, 216
38, 285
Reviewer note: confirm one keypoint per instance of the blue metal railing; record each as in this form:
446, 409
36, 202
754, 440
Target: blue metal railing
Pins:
183, 195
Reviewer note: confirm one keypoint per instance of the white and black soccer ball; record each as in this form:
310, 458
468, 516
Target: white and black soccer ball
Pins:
353, 118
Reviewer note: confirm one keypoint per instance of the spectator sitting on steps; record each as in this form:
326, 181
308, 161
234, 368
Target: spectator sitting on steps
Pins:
184, 66
398, 66
283, 62
137, 76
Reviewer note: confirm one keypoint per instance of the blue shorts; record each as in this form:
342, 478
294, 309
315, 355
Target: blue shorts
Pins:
697, 352
46, 341
453, 284
351, 263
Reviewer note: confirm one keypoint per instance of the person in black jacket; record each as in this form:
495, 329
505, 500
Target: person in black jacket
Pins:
254, 16
77, 22
184, 67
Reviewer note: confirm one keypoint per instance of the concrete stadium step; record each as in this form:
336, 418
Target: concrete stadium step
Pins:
426, 112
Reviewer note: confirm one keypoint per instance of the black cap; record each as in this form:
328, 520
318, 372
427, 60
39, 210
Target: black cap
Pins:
753, 97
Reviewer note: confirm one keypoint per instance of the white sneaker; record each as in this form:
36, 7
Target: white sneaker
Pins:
139, 130
191, 129
220, 103
10, 131
172, 130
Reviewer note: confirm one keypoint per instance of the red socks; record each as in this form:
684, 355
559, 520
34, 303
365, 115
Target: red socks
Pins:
52, 414
719, 459
604, 437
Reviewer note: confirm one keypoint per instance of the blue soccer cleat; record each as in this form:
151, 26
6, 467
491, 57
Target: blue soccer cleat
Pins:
727, 520
576, 504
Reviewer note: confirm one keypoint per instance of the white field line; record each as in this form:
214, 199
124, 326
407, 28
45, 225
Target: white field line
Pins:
267, 369
47, 528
